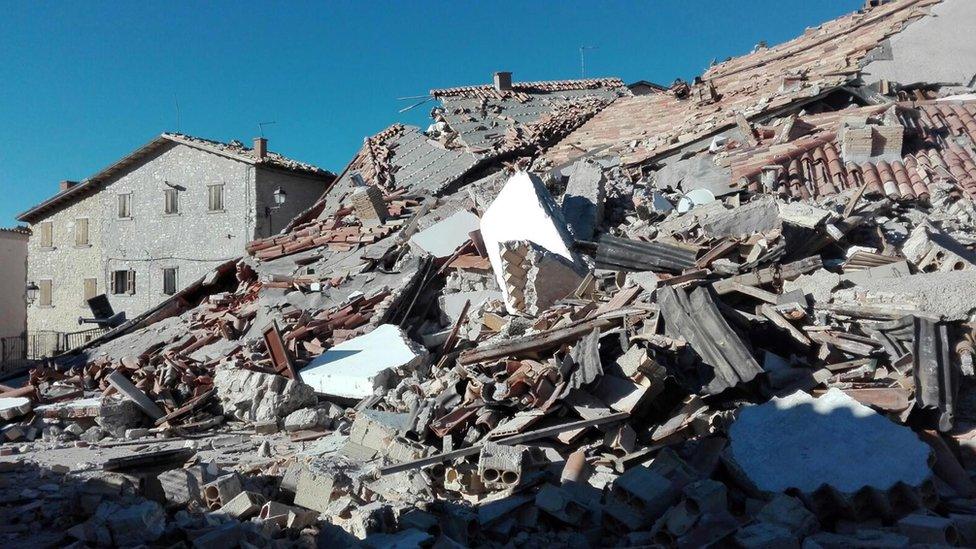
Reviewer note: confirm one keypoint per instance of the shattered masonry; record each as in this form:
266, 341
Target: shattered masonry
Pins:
736, 311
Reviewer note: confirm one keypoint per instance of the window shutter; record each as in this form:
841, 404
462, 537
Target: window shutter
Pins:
46, 236
45, 291
111, 282
130, 283
91, 288
81, 232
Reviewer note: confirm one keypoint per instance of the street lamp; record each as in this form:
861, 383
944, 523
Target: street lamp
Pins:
31, 292
279, 198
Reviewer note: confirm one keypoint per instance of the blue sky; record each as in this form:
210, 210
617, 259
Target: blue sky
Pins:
83, 83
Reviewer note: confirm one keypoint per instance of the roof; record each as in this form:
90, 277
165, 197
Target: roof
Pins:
938, 146
16, 230
489, 123
234, 150
763, 82
521, 90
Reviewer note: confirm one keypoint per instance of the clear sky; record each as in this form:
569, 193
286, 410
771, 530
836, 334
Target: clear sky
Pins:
84, 83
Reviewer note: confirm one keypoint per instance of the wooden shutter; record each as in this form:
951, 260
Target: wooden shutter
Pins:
91, 288
81, 231
47, 239
216, 202
125, 205
45, 287
111, 282
172, 201
130, 282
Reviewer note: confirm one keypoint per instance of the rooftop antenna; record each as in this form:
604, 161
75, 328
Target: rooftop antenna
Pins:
261, 126
178, 117
583, 59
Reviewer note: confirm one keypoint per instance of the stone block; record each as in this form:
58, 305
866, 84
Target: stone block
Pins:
256, 396
929, 530
584, 199
560, 504
244, 505
762, 535
790, 513
369, 205
645, 491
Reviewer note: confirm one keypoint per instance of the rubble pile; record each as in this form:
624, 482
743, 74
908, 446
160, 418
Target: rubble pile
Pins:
762, 339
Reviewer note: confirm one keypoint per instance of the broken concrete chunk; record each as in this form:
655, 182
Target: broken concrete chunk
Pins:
929, 530
256, 396
12, 407
801, 442
524, 211
788, 512
761, 535
502, 467
357, 367
307, 418
443, 238
583, 199
932, 250
244, 505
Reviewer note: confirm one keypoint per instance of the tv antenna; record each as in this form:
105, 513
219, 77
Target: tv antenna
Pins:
261, 126
583, 59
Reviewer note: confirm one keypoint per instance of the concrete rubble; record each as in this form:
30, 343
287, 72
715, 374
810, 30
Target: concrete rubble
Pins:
737, 311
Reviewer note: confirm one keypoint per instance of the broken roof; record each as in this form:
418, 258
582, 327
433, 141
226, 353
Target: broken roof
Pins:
754, 85
938, 139
234, 150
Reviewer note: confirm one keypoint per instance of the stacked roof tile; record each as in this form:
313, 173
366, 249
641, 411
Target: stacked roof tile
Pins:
938, 146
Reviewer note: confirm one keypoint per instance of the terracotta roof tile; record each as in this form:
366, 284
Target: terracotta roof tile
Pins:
639, 128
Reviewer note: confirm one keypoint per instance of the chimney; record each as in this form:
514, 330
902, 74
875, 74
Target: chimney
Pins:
65, 185
503, 81
260, 147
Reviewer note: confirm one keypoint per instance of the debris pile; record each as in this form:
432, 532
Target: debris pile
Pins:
763, 338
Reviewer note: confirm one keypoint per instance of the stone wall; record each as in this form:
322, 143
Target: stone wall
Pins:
66, 266
301, 193
194, 240
13, 278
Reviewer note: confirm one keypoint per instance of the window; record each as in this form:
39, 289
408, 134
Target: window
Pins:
172, 205
169, 281
44, 287
44, 232
123, 282
216, 196
91, 289
81, 231
125, 206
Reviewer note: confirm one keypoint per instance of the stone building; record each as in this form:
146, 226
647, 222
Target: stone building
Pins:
155, 221
13, 278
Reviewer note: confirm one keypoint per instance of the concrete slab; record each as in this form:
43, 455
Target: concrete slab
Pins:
804, 442
443, 238
354, 368
525, 211
11, 407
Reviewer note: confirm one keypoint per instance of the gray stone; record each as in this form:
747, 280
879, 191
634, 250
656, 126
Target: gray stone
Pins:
761, 535
255, 396
803, 442
789, 512
132, 525
583, 200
